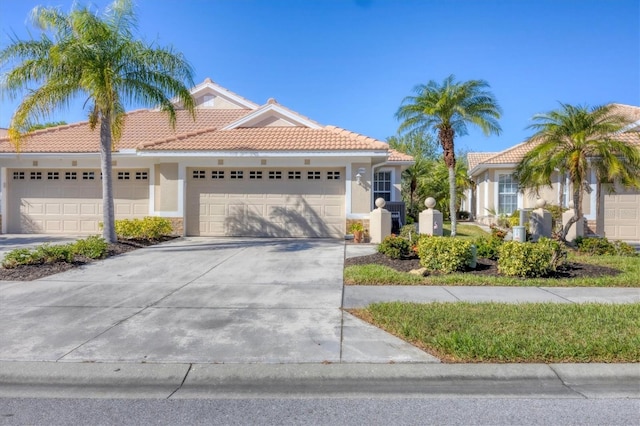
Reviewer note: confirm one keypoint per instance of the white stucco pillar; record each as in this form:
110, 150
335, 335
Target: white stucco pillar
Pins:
430, 220
540, 221
577, 229
379, 222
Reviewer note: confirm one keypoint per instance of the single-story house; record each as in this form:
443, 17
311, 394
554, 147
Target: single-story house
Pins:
239, 169
496, 191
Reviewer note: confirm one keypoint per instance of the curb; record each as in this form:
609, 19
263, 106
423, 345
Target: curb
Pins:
207, 381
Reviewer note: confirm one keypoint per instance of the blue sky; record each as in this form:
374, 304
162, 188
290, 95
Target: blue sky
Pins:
350, 63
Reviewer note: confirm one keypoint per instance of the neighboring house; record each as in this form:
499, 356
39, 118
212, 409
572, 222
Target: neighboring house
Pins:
239, 169
497, 192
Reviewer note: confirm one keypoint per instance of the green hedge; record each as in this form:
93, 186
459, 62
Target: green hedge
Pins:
529, 259
444, 254
395, 247
602, 246
148, 228
488, 247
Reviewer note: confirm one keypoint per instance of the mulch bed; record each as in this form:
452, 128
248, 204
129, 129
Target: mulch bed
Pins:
33, 272
485, 267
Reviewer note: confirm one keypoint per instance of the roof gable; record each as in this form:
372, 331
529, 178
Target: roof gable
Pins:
211, 95
272, 114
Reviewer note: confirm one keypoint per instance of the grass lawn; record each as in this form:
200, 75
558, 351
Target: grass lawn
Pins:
464, 231
529, 332
382, 275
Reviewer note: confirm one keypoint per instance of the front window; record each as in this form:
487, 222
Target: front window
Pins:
507, 194
382, 185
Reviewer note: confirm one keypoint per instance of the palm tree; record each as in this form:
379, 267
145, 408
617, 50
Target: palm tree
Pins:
423, 150
575, 140
448, 109
84, 54
434, 184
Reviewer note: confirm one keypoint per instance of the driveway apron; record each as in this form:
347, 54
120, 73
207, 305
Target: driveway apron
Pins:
191, 300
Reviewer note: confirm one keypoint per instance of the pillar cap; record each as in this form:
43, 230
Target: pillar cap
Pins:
380, 202
540, 203
430, 202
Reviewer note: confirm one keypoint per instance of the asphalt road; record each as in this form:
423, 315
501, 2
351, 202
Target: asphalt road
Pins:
321, 411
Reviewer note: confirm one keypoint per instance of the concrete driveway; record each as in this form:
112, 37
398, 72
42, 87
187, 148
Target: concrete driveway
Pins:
196, 300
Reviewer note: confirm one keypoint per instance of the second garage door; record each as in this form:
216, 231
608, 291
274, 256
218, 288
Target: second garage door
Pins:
622, 215
266, 202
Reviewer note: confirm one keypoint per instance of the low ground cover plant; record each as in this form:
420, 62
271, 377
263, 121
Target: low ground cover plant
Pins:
93, 247
527, 332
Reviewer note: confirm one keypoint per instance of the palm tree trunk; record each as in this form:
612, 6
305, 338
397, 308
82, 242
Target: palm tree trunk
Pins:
446, 140
452, 200
577, 212
108, 214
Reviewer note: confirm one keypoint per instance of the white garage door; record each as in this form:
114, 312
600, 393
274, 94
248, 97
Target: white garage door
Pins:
622, 215
266, 202
70, 201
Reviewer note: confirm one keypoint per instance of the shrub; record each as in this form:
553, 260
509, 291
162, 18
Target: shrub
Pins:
93, 247
149, 228
558, 252
514, 219
46, 253
488, 247
394, 247
556, 216
444, 254
530, 259
17, 257
624, 249
602, 246
497, 232
409, 232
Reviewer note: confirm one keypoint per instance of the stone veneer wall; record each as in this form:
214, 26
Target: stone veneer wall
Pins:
178, 226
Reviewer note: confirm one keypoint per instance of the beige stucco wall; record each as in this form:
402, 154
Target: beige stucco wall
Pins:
218, 102
397, 184
361, 193
166, 187
273, 122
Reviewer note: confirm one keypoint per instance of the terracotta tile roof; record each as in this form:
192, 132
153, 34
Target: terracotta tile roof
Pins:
265, 139
140, 126
398, 156
509, 155
514, 154
474, 158
149, 130
630, 112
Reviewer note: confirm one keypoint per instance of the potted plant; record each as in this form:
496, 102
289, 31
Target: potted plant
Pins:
357, 229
